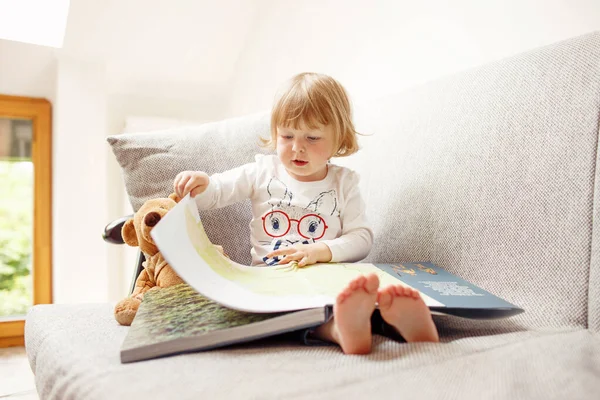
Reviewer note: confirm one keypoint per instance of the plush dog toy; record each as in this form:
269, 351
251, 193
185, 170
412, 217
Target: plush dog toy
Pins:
157, 272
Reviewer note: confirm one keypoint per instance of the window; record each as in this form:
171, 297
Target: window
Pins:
25, 212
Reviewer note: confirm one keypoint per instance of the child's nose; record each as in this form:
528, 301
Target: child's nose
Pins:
297, 145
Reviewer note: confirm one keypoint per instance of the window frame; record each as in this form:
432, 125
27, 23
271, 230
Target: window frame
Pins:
39, 111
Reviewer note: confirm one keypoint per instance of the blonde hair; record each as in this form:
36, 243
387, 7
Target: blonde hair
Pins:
315, 100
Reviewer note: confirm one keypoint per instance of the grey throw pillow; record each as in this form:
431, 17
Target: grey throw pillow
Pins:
150, 161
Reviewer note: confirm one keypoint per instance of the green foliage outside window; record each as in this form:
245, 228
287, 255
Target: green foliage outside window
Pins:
16, 231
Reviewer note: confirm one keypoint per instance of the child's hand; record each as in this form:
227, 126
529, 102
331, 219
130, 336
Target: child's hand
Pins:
193, 182
304, 254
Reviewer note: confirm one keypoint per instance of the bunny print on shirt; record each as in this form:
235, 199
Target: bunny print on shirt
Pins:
288, 224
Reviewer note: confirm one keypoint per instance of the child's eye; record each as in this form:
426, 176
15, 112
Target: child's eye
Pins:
313, 138
286, 137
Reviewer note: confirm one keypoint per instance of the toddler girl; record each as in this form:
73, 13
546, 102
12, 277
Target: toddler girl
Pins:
307, 210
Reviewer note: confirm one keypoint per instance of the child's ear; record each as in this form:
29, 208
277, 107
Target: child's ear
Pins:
128, 233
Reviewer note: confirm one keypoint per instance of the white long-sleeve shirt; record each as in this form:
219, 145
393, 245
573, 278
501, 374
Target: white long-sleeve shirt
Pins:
286, 211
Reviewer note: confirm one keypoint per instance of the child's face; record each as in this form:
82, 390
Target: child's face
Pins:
305, 152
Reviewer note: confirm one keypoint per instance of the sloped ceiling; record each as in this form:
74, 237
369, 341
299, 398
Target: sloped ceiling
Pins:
141, 42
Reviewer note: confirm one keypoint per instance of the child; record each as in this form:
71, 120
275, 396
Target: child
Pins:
307, 210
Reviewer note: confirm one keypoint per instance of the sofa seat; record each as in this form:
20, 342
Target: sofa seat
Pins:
86, 340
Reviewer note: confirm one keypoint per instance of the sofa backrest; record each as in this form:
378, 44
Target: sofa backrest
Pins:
489, 173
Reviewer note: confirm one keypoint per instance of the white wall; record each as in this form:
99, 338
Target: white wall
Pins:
378, 47
79, 203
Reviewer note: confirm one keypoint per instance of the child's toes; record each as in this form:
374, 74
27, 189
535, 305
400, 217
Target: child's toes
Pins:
398, 290
410, 292
359, 282
384, 298
343, 295
371, 283
403, 291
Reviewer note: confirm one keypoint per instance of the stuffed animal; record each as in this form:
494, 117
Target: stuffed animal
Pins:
157, 272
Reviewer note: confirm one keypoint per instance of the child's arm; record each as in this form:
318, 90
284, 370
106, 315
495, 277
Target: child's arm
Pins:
350, 247
305, 254
193, 182
218, 190
356, 239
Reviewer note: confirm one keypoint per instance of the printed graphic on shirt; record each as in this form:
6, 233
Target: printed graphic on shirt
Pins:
289, 224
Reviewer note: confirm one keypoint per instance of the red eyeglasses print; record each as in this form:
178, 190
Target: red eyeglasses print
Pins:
278, 223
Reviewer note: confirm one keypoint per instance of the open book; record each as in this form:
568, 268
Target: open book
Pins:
178, 319
184, 244
263, 301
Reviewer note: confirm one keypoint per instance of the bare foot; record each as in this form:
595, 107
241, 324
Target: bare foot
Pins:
351, 323
404, 309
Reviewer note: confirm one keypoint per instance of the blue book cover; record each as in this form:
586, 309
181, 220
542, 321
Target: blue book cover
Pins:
460, 298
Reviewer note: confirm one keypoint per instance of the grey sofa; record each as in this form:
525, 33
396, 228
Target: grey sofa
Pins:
491, 173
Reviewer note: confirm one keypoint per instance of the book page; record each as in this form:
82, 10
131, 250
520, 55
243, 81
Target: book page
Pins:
183, 242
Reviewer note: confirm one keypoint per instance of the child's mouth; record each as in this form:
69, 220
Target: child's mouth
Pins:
299, 163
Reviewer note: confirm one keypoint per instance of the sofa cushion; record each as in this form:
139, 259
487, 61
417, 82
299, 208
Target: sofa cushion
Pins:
151, 160
74, 353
